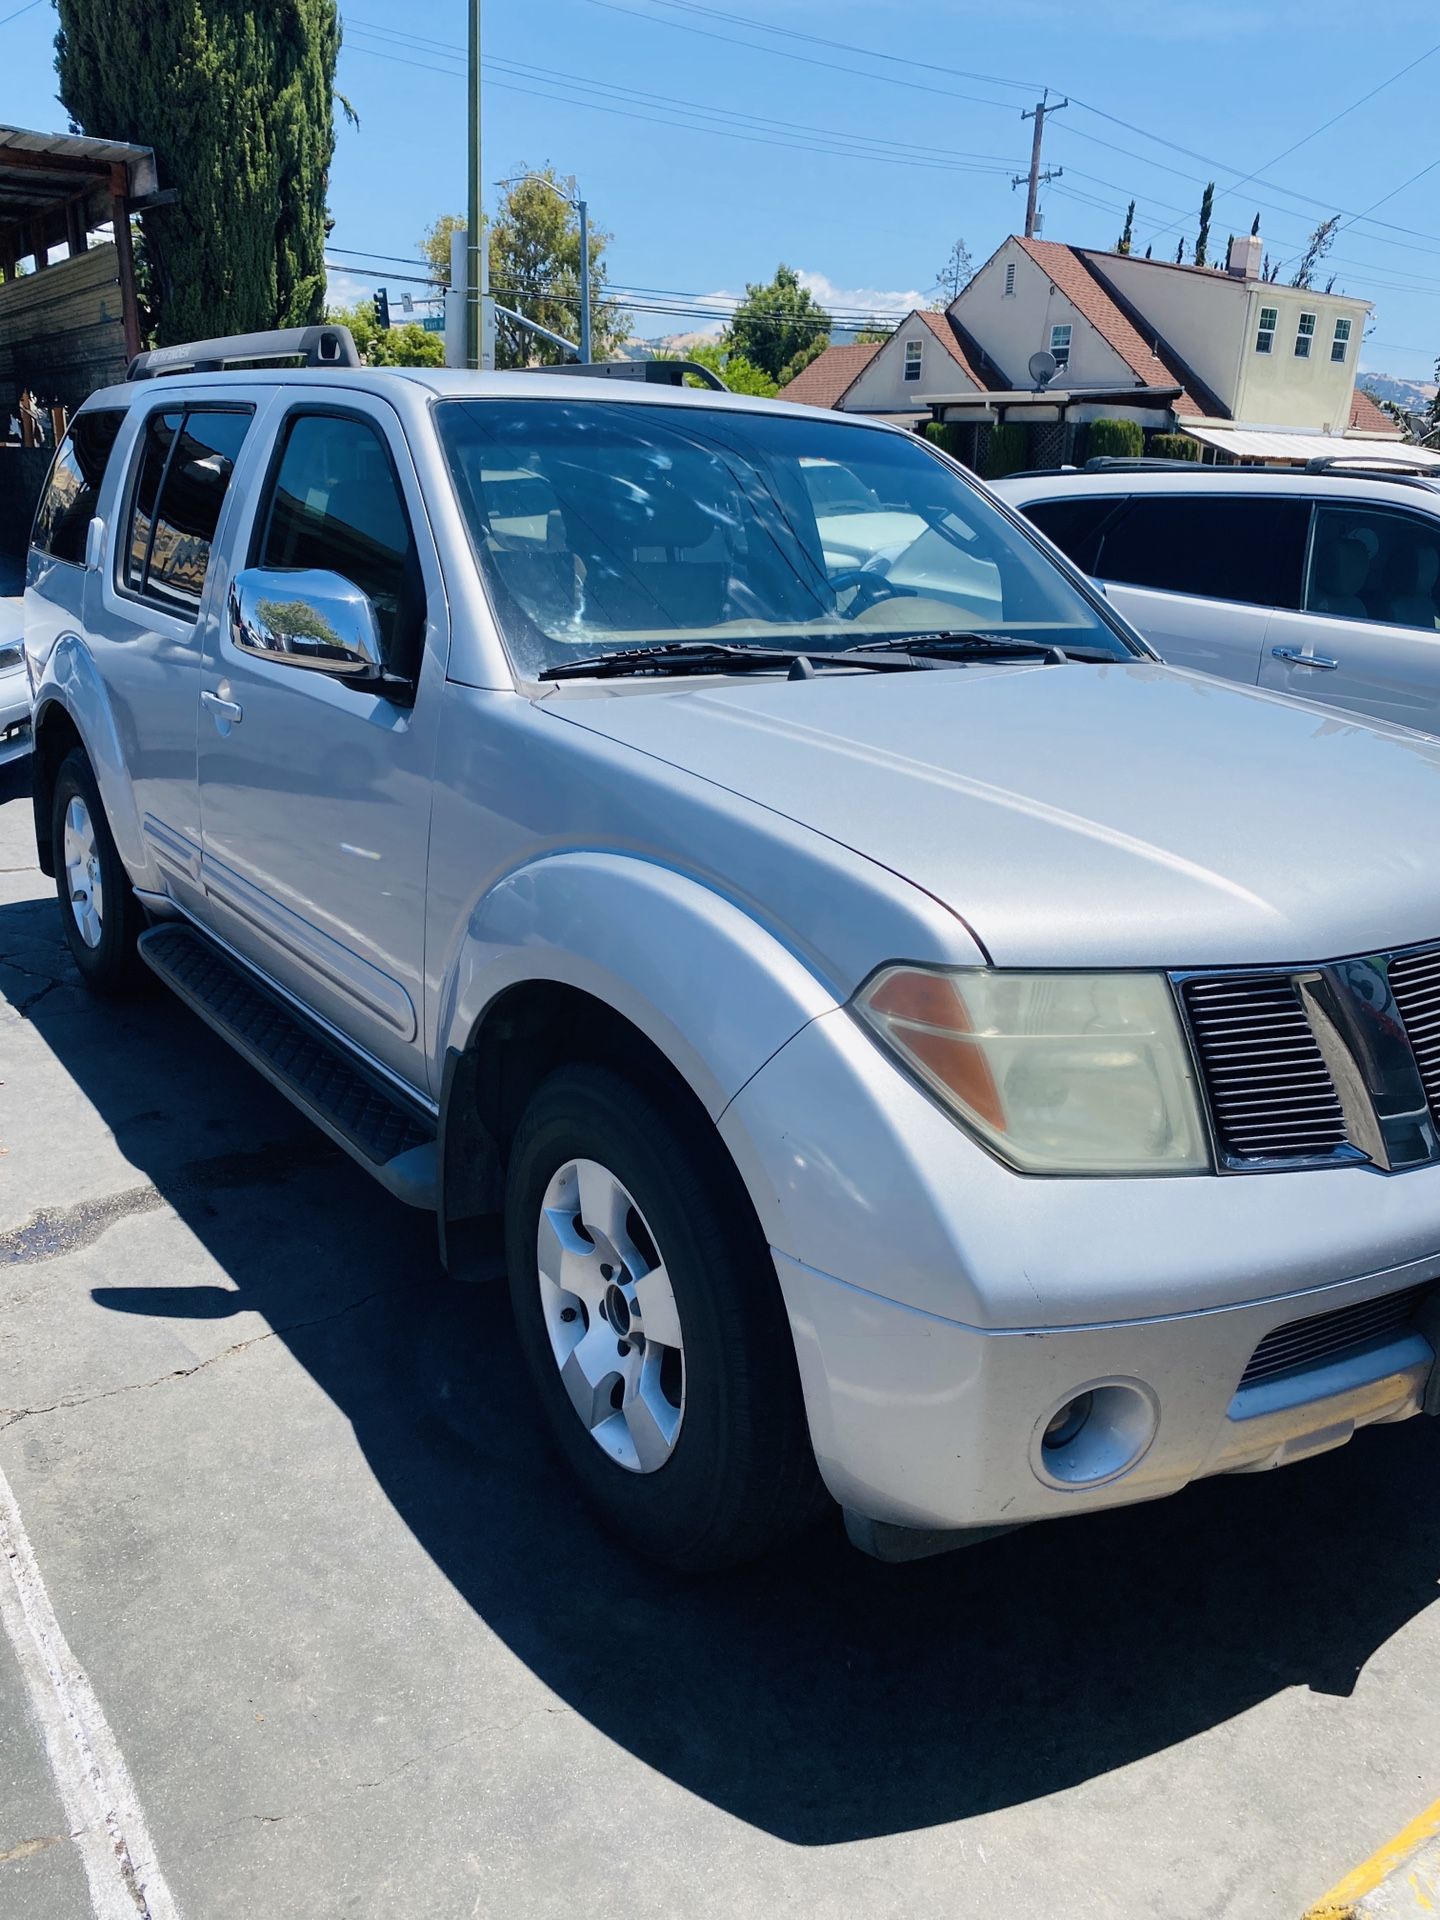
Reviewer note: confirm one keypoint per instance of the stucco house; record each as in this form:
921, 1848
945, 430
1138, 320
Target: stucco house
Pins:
1249, 370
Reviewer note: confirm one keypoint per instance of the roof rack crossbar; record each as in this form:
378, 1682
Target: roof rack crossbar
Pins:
1385, 466
1137, 463
324, 346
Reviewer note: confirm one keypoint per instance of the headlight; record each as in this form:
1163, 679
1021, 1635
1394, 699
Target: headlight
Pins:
1055, 1072
11, 656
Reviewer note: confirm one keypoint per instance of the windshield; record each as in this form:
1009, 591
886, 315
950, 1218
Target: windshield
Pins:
601, 525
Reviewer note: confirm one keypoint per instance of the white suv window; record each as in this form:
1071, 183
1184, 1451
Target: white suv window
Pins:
1370, 564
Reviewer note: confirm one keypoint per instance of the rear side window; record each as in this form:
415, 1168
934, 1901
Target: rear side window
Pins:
335, 504
185, 465
1218, 549
68, 504
1074, 525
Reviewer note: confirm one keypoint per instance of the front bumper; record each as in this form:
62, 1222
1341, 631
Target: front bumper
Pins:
925, 1423
944, 1309
16, 733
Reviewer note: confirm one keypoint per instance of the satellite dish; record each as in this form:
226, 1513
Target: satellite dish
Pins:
1043, 367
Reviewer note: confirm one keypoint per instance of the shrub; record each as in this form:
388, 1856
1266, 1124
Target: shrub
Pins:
1173, 446
1009, 451
945, 436
1115, 439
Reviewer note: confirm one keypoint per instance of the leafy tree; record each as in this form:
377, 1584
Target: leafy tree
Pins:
1202, 239
435, 244
238, 102
955, 273
1316, 248
1127, 238
733, 368
405, 346
535, 268
777, 322
873, 336
798, 362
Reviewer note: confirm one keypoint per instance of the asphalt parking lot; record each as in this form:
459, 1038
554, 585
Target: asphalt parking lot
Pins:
358, 1651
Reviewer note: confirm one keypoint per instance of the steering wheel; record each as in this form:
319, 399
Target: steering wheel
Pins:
870, 589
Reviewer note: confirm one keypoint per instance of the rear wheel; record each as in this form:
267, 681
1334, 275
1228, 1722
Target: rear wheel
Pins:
101, 915
652, 1324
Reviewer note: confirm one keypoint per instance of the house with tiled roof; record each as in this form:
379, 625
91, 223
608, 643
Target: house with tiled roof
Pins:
1249, 370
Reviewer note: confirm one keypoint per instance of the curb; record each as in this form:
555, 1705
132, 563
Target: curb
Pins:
1400, 1881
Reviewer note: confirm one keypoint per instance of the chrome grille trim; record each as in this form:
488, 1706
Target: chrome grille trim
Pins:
1415, 983
1270, 1094
1326, 1336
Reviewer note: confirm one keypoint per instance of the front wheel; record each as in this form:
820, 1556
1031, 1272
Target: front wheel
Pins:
651, 1321
102, 917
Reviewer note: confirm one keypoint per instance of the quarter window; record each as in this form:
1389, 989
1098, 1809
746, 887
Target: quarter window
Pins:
73, 489
1060, 345
185, 465
1304, 336
1340, 345
335, 504
1265, 333
914, 354
1215, 548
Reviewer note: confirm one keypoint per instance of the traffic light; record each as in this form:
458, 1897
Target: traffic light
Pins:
382, 309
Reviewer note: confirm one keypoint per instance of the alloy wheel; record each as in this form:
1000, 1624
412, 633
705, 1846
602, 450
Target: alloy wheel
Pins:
81, 855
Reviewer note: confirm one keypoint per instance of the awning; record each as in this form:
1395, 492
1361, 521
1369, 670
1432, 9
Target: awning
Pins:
1249, 443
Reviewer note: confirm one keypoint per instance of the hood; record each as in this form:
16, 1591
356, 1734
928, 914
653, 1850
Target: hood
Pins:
1075, 816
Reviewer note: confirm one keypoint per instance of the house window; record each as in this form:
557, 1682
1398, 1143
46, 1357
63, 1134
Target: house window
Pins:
914, 352
1009, 279
1340, 345
1304, 336
1060, 345
1265, 337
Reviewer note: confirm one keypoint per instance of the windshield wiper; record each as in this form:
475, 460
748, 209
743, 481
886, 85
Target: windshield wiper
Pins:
962, 641
714, 656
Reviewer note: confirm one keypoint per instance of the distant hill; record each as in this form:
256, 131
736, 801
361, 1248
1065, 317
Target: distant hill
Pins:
1414, 395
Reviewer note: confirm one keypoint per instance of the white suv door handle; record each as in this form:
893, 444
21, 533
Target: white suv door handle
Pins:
228, 709
1294, 657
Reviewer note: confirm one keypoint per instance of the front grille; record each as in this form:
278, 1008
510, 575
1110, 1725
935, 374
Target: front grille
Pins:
1415, 983
1306, 1343
1271, 1094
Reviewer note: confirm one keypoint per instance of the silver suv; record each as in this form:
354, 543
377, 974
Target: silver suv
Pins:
1325, 585
883, 1024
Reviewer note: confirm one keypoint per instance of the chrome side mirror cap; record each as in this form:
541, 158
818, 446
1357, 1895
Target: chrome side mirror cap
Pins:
306, 618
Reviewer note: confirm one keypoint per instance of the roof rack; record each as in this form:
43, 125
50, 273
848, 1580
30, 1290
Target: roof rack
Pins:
654, 373
325, 346
1137, 463
1380, 466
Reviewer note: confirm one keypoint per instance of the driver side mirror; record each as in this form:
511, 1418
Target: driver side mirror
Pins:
314, 619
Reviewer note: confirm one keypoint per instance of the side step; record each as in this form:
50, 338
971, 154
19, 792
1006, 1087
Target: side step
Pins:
374, 1123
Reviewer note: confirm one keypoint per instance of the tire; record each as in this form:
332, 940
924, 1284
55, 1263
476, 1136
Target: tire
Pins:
721, 1470
102, 918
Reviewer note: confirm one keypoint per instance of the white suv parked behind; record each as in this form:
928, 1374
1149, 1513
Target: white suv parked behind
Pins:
1323, 584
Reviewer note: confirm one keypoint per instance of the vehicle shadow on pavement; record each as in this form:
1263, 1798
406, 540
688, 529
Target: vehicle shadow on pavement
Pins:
820, 1697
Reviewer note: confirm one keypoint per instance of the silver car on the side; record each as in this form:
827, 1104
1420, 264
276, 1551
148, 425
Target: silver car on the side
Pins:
1325, 585
899, 1041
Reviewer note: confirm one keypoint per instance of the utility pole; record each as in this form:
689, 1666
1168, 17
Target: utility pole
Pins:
1035, 176
583, 210
475, 216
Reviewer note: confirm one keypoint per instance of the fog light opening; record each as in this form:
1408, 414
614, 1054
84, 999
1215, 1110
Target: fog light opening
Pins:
1100, 1431
1065, 1424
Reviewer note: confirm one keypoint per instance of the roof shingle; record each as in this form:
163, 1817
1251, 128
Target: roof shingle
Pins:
829, 374
1366, 416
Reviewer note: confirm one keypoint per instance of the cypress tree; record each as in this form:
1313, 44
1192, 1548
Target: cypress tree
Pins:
1202, 239
236, 97
1127, 238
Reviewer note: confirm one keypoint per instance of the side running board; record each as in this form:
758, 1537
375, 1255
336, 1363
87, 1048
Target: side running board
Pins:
373, 1122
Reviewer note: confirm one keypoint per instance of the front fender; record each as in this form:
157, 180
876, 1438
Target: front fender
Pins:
715, 992
72, 680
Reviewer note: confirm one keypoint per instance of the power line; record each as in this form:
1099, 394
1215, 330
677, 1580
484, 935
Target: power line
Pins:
19, 10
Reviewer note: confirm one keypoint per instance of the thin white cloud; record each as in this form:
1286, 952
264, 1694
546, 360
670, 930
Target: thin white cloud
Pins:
860, 299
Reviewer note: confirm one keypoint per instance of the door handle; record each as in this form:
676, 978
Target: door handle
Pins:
1294, 657
224, 709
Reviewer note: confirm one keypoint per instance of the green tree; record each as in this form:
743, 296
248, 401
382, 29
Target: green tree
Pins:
1202, 239
535, 268
1127, 238
435, 244
733, 368
801, 359
405, 346
873, 336
1316, 248
776, 322
237, 100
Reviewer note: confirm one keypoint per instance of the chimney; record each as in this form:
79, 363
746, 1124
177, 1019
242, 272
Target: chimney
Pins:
1244, 261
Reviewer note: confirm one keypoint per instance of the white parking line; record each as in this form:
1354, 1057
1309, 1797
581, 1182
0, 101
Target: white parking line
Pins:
90, 1774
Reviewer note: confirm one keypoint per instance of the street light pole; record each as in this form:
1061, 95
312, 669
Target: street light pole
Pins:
475, 219
584, 212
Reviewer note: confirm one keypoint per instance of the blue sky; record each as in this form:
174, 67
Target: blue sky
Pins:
858, 141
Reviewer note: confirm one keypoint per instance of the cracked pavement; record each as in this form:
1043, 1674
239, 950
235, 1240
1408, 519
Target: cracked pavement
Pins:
365, 1655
